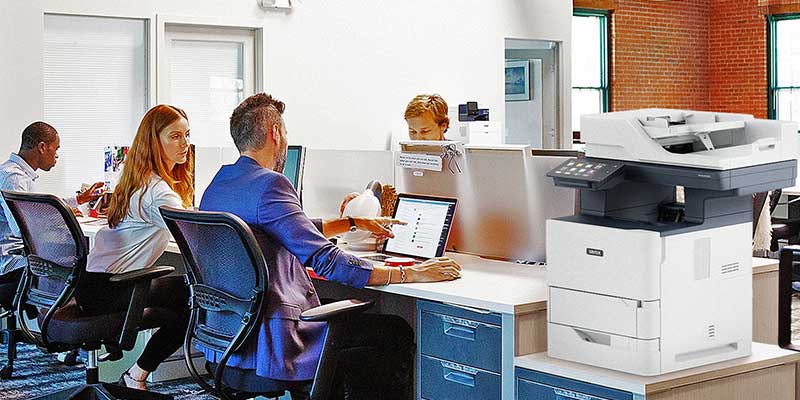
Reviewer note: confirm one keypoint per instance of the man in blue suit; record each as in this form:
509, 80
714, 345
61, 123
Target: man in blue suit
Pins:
286, 349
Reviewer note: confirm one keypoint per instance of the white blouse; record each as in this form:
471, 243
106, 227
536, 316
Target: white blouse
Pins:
140, 238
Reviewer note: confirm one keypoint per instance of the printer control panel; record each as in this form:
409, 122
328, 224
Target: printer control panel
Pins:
585, 172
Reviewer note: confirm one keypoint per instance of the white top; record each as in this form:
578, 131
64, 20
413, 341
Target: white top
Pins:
140, 238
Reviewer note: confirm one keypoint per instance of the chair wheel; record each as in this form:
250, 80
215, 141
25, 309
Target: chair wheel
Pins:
5, 372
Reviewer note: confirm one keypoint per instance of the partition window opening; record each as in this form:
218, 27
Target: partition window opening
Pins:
784, 80
590, 93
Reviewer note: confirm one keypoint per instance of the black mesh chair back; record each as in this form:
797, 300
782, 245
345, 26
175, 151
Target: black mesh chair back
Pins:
56, 250
227, 276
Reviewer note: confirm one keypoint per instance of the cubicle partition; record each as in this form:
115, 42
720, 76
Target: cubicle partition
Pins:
504, 198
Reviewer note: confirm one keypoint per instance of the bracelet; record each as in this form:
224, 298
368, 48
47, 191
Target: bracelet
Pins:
402, 275
388, 281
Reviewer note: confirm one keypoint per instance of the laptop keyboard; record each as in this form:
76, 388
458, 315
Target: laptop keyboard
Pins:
376, 257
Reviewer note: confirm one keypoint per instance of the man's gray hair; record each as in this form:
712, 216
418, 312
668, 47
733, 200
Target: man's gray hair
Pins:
251, 120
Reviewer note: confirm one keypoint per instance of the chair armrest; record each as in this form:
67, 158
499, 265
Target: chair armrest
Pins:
141, 280
335, 310
16, 251
143, 274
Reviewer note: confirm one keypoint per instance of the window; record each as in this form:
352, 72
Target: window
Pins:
210, 71
589, 64
95, 92
784, 80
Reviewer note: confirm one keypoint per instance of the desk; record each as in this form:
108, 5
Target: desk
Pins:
770, 373
502, 306
765, 300
502, 301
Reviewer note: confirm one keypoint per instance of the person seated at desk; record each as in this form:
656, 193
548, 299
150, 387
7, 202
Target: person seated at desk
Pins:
38, 150
286, 350
426, 116
157, 172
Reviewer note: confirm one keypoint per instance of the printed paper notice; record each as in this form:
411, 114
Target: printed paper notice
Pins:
430, 162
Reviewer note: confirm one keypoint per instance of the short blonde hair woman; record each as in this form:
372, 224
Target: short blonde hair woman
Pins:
426, 116
157, 173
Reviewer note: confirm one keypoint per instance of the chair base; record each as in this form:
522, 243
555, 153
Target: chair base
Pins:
10, 337
103, 391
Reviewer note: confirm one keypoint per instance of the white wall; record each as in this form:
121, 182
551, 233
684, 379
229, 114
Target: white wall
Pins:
345, 68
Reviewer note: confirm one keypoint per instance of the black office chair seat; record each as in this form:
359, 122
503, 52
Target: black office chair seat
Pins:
71, 326
246, 383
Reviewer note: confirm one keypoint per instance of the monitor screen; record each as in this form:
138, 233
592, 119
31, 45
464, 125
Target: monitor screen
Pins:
429, 220
294, 166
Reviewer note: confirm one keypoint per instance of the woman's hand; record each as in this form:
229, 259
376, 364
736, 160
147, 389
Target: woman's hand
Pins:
434, 270
379, 226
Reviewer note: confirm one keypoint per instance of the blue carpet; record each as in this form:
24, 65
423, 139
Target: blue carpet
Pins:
37, 373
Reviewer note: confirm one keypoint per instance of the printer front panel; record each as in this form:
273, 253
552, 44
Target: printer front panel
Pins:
604, 260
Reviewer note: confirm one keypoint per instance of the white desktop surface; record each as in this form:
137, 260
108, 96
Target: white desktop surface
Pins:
763, 356
489, 285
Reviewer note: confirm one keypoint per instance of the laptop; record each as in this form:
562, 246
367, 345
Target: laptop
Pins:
429, 218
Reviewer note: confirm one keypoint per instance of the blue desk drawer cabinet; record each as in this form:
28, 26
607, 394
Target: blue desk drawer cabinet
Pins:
459, 353
531, 385
445, 380
462, 336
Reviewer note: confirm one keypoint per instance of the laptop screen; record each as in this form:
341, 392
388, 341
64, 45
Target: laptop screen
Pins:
429, 220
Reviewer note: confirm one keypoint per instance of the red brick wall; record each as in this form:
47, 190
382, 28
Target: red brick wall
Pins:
660, 54
737, 57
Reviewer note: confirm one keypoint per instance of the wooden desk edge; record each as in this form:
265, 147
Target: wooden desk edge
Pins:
666, 385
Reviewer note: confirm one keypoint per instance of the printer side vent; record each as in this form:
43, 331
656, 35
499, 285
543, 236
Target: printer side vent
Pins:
712, 331
730, 268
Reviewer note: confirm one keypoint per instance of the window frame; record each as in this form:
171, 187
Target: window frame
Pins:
772, 61
605, 55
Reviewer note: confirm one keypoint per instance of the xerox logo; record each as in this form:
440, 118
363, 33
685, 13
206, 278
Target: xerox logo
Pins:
594, 252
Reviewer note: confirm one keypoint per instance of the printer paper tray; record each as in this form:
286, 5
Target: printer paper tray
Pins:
621, 353
609, 314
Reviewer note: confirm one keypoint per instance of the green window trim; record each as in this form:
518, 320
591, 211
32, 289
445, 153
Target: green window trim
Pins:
604, 54
772, 61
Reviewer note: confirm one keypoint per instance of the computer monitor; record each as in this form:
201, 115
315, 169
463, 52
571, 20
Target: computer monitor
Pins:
295, 158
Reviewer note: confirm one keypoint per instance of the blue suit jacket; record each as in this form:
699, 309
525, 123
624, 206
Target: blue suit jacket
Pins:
285, 348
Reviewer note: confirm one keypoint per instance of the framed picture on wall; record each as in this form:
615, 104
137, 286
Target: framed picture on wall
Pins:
517, 80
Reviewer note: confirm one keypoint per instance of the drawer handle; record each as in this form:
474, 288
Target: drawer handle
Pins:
458, 331
458, 377
562, 394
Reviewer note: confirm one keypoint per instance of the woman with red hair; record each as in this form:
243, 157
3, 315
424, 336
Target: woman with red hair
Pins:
157, 173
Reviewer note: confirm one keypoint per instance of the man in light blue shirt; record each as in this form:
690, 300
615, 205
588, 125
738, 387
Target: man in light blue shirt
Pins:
38, 150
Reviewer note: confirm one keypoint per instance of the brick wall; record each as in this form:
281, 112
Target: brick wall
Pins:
660, 54
737, 57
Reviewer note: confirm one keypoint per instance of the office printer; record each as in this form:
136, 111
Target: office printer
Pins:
640, 281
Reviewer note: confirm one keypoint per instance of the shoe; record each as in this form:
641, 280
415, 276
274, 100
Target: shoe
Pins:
122, 380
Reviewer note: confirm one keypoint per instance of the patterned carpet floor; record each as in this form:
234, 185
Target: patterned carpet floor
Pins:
37, 373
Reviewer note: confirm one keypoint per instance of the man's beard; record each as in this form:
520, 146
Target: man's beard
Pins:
281, 163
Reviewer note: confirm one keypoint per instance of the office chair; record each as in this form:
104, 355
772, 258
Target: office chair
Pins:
783, 228
226, 314
56, 251
789, 259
